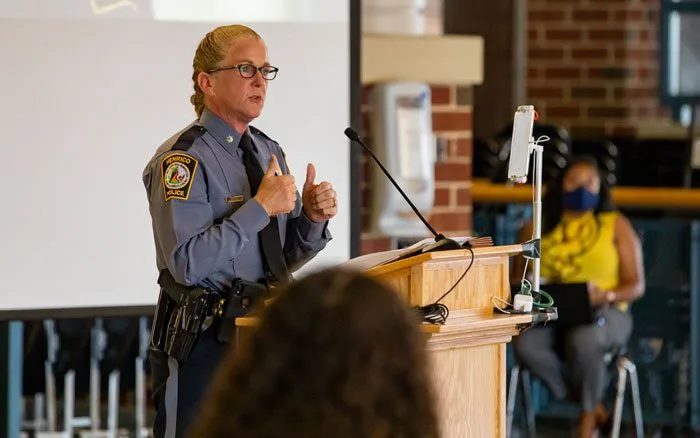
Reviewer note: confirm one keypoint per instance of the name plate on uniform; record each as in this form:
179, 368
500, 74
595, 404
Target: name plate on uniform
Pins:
234, 199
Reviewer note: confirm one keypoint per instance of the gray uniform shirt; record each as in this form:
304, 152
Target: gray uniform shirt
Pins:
205, 223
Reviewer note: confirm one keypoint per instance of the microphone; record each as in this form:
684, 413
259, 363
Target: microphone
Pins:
442, 243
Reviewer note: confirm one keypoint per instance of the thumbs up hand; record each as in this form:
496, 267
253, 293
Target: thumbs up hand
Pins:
320, 200
277, 193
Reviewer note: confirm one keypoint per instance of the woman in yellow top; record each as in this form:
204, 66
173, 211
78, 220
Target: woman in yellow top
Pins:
584, 240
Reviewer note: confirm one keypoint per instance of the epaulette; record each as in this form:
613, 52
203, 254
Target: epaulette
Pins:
256, 131
187, 138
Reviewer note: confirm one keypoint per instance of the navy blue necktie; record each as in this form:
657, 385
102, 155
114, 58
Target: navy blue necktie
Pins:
270, 242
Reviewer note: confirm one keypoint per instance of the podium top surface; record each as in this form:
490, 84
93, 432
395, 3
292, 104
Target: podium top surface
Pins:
488, 251
457, 322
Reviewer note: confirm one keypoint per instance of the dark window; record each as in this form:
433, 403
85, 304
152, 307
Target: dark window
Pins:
680, 55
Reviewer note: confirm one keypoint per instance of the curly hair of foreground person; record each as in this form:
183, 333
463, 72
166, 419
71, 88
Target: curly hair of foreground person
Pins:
337, 355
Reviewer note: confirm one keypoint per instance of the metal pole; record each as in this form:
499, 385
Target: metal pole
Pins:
537, 214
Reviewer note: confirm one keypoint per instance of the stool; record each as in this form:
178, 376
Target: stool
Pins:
625, 369
526, 384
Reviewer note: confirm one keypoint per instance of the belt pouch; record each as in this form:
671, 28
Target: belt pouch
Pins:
240, 299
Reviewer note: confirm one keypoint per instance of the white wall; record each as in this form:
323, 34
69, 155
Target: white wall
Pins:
86, 103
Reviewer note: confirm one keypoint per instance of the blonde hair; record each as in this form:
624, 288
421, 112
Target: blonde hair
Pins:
211, 51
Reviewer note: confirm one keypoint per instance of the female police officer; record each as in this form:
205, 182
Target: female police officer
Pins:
224, 208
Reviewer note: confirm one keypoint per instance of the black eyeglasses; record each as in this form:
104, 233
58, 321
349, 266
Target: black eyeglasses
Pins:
247, 71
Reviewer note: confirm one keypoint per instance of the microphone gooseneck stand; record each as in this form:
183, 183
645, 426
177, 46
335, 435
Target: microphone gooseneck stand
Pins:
442, 243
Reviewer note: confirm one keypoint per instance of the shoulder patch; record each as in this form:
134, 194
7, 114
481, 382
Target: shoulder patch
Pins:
256, 131
178, 172
184, 142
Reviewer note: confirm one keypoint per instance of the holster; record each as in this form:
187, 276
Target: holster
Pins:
183, 313
180, 317
238, 301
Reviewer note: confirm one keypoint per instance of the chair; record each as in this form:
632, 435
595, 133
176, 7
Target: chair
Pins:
485, 158
625, 368
526, 385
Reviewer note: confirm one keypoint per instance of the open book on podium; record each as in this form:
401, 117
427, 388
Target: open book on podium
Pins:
368, 261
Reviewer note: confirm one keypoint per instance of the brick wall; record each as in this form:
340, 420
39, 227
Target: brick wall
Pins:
593, 64
452, 121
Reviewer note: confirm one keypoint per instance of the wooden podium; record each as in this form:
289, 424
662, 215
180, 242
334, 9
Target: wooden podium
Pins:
468, 353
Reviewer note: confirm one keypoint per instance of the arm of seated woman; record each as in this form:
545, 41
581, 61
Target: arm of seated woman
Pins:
629, 248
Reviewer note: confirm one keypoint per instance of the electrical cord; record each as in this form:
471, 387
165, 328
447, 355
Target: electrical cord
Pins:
540, 139
526, 289
437, 313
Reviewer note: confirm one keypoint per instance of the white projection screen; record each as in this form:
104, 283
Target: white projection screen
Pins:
92, 87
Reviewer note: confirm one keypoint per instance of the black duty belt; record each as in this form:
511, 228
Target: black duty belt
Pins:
201, 307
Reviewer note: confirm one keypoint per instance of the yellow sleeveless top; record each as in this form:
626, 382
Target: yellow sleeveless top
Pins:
580, 250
